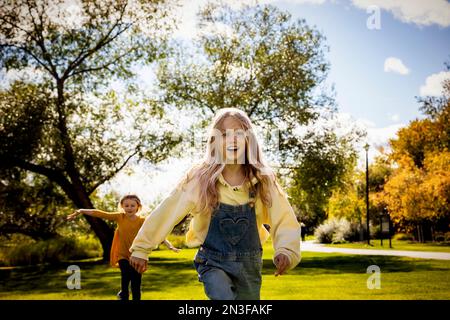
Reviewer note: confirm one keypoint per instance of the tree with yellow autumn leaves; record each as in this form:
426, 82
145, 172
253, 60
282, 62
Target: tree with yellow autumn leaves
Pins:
412, 181
417, 194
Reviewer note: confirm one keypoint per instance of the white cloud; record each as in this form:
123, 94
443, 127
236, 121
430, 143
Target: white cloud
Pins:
376, 138
395, 65
419, 12
433, 84
379, 137
393, 117
186, 13
296, 1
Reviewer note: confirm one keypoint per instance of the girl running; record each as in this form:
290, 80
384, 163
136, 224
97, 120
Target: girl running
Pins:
232, 193
128, 222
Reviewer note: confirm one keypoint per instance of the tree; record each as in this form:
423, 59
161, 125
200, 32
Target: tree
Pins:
434, 106
380, 171
260, 60
436, 188
256, 59
429, 134
418, 138
323, 168
68, 126
29, 208
417, 194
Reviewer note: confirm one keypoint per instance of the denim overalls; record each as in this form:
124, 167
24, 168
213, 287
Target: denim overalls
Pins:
229, 262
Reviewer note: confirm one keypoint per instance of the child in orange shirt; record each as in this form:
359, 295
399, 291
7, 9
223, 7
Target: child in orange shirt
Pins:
129, 223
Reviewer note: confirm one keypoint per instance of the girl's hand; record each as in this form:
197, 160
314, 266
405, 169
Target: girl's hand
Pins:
282, 263
73, 215
174, 249
139, 264
170, 246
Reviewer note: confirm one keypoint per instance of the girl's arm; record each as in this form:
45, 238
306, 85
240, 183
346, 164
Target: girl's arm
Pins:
94, 213
170, 246
161, 221
284, 229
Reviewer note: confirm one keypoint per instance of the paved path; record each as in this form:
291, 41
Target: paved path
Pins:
317, 247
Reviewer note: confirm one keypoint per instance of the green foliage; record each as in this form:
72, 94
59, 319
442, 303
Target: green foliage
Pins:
272, 67
30, 205
49, 251
100, 38
323, 169
68, 126
346, 204
24, 113
265, 64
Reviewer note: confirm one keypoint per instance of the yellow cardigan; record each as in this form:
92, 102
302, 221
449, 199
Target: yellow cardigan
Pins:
284, 228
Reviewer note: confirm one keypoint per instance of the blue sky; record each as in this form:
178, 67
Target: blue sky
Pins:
357, 55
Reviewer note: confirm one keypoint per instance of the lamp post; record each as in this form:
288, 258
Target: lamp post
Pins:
366, 147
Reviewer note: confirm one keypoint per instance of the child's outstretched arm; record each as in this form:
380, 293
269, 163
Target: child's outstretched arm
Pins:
159, 224
94, 213
170, 246
285, 232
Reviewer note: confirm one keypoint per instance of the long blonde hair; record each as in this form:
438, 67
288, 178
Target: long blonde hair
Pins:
206, 172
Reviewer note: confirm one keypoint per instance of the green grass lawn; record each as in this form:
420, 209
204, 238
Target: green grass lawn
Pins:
396, 245
172, 276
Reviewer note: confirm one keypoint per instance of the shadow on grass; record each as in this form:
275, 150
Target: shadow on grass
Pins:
338, 264
99, 280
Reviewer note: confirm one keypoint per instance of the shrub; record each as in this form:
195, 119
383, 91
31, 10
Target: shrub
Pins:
447, 237
439, 237
51, 251
442, 236
375, 231
324, 232
355, 232
403, 236
334, 231
342, 231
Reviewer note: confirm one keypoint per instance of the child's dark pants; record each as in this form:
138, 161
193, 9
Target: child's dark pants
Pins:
129, 274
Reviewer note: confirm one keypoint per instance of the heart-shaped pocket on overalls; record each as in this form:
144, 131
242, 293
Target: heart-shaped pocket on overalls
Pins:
234, 230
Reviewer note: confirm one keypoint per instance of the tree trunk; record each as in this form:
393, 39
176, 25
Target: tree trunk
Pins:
423, 233
101, 229
361, 228
420, 231
79, 195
